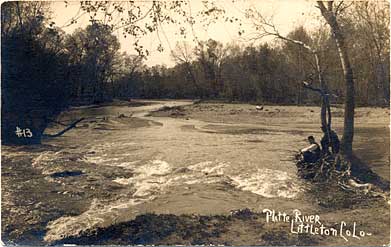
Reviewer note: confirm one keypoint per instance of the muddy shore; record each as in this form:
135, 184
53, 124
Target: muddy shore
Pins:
36, 191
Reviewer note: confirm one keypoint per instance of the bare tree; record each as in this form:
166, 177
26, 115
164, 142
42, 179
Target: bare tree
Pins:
330, 13
183, 54
265, 27
373, 21
211, 54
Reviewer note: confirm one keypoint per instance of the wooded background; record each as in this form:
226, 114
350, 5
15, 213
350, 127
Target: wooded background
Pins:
44, 70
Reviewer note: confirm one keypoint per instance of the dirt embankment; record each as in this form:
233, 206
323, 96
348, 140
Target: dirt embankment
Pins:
241, 227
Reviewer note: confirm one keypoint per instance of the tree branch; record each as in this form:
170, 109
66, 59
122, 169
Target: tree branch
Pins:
268, 28
318, 90
321, 6
337, 9
330, 5
71, 126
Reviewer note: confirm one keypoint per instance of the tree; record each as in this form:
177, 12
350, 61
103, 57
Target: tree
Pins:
210, 55
330, 15
266, 27
127, 69
299, 59
369, 34
183, 54
93, 54
33, 74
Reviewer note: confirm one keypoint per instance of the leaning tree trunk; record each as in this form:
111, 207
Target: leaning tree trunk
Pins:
325, 105
348, 132
325, 113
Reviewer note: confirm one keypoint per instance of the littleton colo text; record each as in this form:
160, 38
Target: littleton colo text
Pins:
311, 224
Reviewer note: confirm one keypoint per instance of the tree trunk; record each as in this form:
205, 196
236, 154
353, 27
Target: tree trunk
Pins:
348, 132
325, 105
193, 78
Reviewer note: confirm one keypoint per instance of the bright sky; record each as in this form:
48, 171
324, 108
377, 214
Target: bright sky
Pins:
287, 14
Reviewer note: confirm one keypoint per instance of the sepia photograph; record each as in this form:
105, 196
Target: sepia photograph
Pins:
195, 123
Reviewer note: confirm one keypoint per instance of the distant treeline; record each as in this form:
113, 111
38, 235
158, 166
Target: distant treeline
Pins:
45, 70
273, 72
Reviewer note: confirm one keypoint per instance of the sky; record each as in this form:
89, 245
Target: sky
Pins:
286, 15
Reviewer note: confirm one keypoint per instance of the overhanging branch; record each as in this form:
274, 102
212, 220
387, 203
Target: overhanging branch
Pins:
71, 126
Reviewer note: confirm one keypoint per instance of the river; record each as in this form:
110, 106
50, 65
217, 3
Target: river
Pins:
177, 165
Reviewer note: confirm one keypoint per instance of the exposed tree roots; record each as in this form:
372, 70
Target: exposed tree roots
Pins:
338, 185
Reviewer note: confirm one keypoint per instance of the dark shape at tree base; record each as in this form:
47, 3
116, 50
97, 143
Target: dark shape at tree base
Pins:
340, 183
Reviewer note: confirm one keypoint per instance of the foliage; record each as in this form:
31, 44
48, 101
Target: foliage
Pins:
34, 71
93, 55
44, 70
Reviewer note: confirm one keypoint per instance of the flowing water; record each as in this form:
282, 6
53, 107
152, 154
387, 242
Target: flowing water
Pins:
178, 165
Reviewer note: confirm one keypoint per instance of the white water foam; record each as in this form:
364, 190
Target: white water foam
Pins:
156, 167
209, 167
47, 161
153, 179
156, 176
265, 182
149, 179
45, 157
98, 154
268, 183
98, 215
